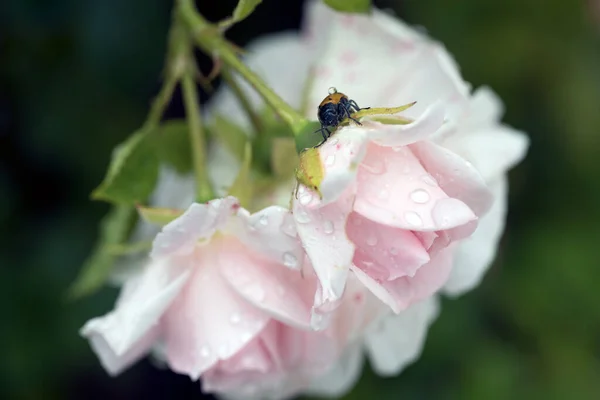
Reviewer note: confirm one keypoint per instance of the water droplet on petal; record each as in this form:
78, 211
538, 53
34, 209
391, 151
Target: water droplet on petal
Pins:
413, 218
204, 351
263, 220
289, 229
393, 250
428, 179
305, 199
290, 260
372, 240
302, 217
328, 227
235, 318
384, 194
256, 292
330, 160
419, 196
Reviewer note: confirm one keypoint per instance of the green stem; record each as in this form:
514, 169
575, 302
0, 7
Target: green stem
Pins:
204, 191
208, 37
243, 99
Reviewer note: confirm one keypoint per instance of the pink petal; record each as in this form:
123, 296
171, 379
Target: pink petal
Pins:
340, 156
401, 135
397, 340
124, 335
268, 285
322, 230
400, 293
385, 252
395, 190
270, 232
475, 254
199, 222
209, 321
456, 176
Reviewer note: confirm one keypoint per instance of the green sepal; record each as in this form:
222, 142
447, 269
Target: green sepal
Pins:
284, 158
243, 9
350, 6
158, 216
132, 173
172, 143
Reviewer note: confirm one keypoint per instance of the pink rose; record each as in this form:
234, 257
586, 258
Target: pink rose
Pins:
408, 209
219, 283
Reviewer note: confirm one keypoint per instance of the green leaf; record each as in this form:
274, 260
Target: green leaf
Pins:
114, 229
132, 173
243, 9
172, 144
230, 134
308, 138
242, 186
350, 6
284, 159
158, 216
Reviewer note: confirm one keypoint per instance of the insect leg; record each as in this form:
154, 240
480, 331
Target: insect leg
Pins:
347, 112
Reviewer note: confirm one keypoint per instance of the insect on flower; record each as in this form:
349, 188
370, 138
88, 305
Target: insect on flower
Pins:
335, 108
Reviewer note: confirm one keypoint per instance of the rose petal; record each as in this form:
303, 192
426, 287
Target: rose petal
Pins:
401, 135
395, 341
340, 156
475, 254
208, 322
400, 293
323, 234
272, 233
124, 335
385, 252
200, 221
456, 176
266, 284
395, 190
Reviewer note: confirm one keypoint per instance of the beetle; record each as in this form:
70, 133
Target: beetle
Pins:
335, 108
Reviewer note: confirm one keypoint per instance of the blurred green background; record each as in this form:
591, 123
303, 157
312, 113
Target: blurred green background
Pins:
76, 77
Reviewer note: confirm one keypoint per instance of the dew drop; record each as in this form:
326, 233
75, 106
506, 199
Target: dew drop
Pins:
393, 250
372, 240
290, 260
328, 227
235, 318
413, 218
332, 90
256, 292
302, 217
204, 351
289, 229
305, 199
384, 194
223, 350
330, 160
419, 196
263, 220
428, 179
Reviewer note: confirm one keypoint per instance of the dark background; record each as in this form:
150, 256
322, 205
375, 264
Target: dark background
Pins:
76, 77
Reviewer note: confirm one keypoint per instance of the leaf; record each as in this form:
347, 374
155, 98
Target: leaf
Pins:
309, 137
172, 144
350, 6
114, 229
284, 158
158, 216
243, 9
230, 134
132, 173
242, 186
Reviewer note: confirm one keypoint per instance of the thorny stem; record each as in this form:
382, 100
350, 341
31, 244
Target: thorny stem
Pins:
208, 37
